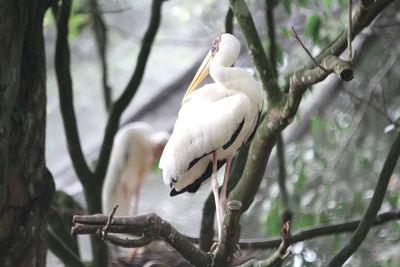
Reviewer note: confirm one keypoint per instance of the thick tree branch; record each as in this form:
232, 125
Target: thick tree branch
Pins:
304, 78
123, 101
363, 17
229, 21
207, 221
149, 225
64, 80
286, 213
257, 54
373, 208
129, 243
230, 235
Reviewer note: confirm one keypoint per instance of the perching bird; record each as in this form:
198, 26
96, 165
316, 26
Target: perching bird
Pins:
136, 148
213, 123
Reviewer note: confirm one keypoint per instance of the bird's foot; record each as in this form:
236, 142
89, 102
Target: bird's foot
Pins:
214, 248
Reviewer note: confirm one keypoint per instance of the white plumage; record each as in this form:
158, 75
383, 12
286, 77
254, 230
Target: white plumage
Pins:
136, 147
214, 121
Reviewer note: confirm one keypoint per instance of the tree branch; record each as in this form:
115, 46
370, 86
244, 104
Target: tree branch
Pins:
123, 101
280, 255
61, 250
100, 31
230, 235
286, 214
257, 54
318, 231
148, 226
374, 206
307, 51
304, 78
229, 21
365, 13
360, 115
62, 64
207, 221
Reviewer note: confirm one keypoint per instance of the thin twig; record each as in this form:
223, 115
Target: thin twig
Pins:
360, 115
350, 3
280, 254
103, 232
308, 52
383, 111
318, 231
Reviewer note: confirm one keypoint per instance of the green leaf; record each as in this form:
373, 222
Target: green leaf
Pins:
314, 124
313, 25
286, 32
272, 224
393, 198
336, 244
395, 227
155, 168
75, 23
265, 45
305, 220
328, 3
342, 3
286, 5
303, 2
301, 181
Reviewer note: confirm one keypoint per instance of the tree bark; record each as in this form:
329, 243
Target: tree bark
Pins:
26, 186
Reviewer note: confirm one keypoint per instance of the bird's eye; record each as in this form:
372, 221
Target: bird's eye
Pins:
215, 45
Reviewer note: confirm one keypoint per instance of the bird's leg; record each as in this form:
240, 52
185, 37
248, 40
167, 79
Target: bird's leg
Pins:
222, 196
137, 196
215, 187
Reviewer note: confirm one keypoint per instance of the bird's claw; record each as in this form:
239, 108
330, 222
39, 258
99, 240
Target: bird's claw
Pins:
214, 248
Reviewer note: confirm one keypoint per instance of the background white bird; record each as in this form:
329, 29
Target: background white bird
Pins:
136, 148
213, 123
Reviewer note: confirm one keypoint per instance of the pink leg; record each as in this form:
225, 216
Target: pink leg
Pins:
222, 196
136, 203
215, 187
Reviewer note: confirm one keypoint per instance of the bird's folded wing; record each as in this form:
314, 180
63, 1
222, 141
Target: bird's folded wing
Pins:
201, 128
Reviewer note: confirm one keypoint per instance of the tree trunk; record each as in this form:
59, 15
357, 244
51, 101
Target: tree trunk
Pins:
26, 186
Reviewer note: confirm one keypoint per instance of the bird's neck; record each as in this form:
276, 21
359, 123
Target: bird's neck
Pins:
236, 79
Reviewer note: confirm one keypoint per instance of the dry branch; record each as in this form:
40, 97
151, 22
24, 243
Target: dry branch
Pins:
147, 226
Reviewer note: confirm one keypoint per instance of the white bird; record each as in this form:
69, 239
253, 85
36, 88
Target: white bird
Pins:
213, 123
136, 148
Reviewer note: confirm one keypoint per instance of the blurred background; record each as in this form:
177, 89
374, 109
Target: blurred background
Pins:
334, 150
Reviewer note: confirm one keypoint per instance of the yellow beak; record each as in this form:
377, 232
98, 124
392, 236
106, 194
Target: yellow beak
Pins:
201, 73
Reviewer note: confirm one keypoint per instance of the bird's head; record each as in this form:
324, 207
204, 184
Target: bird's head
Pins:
224, 51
